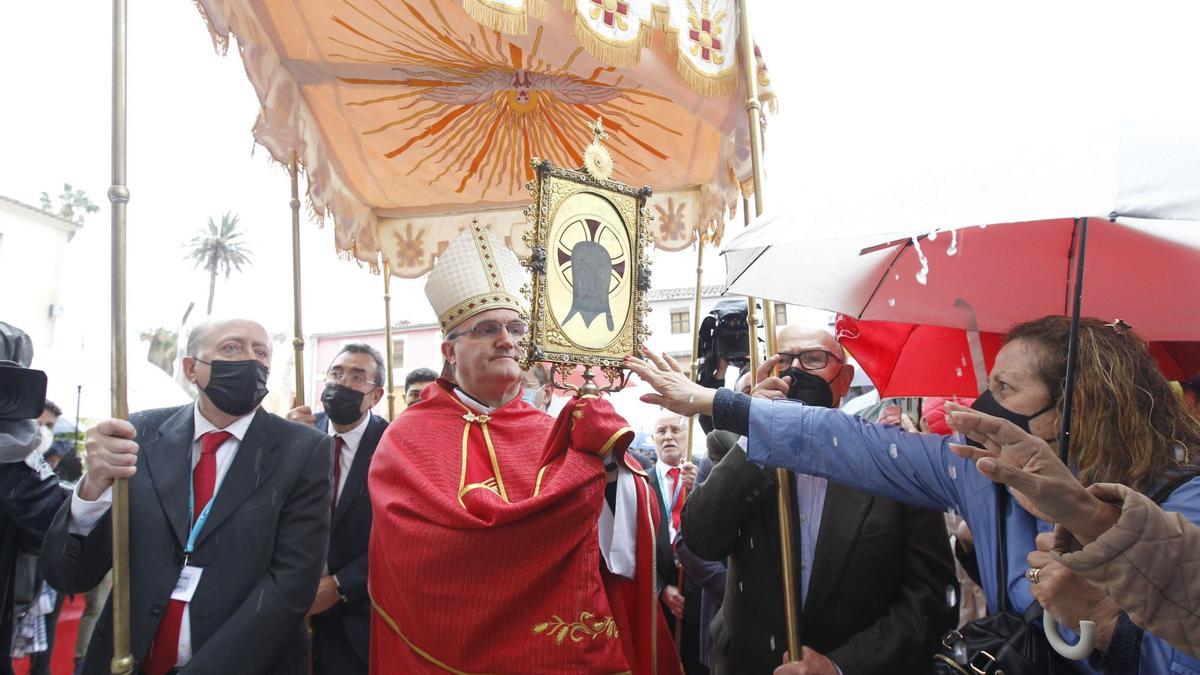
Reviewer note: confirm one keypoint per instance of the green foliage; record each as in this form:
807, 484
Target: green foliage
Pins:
219, 249
73, 205
164, 344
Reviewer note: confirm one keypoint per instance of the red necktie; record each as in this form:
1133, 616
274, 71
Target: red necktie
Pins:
164, 649
338, 444
677, 505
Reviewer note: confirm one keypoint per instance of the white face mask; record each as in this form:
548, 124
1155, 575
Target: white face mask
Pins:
557, 403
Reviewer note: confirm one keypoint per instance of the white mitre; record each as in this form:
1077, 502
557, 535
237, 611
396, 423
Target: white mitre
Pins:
475, 273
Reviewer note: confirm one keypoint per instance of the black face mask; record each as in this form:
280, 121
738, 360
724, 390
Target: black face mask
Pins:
808, 388
987, 404
342, 404
236, 387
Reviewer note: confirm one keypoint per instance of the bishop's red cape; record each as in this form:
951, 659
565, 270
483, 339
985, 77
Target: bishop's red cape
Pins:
484, 554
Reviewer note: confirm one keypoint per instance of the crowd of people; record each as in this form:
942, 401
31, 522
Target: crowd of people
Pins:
476, 533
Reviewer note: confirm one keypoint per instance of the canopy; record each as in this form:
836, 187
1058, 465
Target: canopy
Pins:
408, 115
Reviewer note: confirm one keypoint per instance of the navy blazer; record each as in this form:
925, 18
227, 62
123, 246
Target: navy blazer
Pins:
349, 536
261, 548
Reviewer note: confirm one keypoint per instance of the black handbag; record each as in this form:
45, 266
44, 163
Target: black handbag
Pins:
1004, 643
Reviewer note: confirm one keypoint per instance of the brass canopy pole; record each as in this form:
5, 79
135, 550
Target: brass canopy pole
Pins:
118, 197
298, 337
695, 336
387, 322
687, 448
751, 311
783, 477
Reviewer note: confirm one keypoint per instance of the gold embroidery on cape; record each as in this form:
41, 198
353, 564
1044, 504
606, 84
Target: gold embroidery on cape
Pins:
588, 625
472, 417
612, 440
396, 629
462, 475
489, 484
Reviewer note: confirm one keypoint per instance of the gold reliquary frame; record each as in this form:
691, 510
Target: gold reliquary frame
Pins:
589, 273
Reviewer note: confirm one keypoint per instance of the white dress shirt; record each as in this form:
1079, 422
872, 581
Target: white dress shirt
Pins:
350, 442
85, 514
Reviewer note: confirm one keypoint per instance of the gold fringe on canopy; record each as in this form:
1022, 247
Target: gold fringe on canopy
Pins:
622, 54
712, 86
500, 17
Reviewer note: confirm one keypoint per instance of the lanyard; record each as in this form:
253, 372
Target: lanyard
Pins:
199, 524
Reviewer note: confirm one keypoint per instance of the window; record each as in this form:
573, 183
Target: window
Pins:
680, 321
398, 361
780, 314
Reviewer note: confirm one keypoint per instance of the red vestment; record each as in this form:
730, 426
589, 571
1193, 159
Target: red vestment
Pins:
484, 554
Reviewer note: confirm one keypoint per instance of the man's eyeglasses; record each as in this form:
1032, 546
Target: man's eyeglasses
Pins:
351, 379
490, 330
811, 359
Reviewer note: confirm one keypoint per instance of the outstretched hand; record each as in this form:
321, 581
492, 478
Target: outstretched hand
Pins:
1039, 481
674, 390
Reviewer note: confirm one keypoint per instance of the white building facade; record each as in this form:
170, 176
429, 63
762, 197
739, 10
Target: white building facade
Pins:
33, 247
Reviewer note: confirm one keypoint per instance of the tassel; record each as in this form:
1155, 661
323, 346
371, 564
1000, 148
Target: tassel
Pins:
608, 53
509, 21
712, 86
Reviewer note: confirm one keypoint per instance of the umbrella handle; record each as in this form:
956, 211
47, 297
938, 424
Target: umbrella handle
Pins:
1078, 651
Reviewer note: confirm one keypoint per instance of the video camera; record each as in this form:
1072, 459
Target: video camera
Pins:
724, 334
22, 392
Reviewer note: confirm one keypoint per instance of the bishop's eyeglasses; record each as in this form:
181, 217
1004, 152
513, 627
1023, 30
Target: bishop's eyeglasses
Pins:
490, 330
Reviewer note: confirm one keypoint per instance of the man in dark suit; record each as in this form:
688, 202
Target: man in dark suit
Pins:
228, 520
341, 612
671, 478
875, 577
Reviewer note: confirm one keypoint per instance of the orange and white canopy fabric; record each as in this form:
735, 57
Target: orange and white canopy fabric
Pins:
414, 118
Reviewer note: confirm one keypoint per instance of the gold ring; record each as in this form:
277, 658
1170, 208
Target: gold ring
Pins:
1032, 574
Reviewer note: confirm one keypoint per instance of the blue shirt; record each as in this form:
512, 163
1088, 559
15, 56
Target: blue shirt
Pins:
920, 469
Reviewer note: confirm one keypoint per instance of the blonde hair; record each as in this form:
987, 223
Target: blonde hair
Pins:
1127, 425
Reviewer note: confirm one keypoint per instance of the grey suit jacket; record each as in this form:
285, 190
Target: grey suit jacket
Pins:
261, 549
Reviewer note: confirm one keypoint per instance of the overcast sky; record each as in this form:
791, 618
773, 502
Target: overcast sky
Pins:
872, 95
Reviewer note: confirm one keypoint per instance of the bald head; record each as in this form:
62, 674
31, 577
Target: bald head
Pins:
215, 336
796, 338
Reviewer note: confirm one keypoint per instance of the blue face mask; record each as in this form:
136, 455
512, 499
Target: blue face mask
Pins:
529, 395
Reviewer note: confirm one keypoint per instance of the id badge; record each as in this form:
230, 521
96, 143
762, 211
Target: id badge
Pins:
185, 587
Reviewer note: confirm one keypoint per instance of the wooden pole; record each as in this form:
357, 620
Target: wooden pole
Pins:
298, 330
118, 197
783, 477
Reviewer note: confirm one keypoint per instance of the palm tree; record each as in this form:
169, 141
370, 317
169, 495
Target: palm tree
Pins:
219, 249
72, 204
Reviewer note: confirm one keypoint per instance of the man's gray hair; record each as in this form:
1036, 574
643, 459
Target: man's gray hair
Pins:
196, 338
